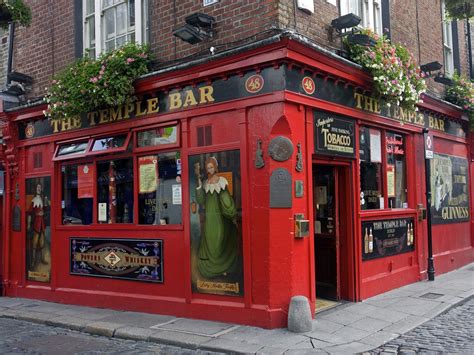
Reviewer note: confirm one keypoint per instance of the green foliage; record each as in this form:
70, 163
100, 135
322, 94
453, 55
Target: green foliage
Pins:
461, 93
459, 9
14, 11
90, 84
397, 78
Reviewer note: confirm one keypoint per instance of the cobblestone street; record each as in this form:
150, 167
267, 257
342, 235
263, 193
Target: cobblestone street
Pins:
450, 332
20, 337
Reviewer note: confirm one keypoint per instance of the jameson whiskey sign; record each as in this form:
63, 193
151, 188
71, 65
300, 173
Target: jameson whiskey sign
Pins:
334, 135
387, 237
449, 189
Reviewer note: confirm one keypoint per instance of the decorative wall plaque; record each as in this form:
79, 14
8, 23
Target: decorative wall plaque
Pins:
299, 188
259, 162
280, 148
280, 189
299, 159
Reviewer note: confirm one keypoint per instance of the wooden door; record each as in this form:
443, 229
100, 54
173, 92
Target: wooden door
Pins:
326, 230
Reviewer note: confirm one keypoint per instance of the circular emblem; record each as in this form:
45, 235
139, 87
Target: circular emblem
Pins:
254, 84
308, 85
280, 148
85, 169
29, 130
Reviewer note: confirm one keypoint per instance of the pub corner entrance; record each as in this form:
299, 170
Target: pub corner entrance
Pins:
333, 231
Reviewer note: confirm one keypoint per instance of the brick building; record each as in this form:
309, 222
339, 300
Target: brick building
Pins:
291, 214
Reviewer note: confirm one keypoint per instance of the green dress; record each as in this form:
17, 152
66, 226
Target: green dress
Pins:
218, 249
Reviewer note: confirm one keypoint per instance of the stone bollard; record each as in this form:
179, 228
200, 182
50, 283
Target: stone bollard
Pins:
299, 315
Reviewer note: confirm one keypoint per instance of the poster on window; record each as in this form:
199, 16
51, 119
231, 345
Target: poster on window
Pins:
38, 229
449, 189
148, 167
85, 181
216, 223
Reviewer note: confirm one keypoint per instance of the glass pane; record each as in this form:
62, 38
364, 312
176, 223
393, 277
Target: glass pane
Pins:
120, 41
78, 183
160, 189
109, 143
107, 3
157, 136
131, 11
131, 37
115, 191
371, 195
396, 181
121, 19
324, 200
109, 23
109, 45
74, 148
90, 7
90, 31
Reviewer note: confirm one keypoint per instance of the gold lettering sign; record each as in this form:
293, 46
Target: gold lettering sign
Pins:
218, 286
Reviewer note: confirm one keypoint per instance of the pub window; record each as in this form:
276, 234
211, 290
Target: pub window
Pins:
396, 170
69, 150
115, 191
78, 182
118, 143
160, 191
157, 136
371, 194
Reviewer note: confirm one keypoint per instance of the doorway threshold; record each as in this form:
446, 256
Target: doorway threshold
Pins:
323, 305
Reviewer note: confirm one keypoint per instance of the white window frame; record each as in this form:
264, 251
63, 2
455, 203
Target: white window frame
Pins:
141, 8
448, 50
370, 11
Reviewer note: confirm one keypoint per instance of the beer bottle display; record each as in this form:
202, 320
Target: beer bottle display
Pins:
366, 242
371, 241
408, 235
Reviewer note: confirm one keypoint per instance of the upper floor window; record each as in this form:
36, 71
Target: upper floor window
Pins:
108, 24
370, 11
447, 43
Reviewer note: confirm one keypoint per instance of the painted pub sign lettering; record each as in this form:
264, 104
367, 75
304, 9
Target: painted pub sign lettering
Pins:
334, 135
387, 237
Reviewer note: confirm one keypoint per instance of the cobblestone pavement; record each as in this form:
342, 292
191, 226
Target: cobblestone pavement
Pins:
450, 332
20, 337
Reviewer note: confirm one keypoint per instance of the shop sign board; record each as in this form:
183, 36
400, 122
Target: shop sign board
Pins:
334, 135
126, 259
449, 189
381, 238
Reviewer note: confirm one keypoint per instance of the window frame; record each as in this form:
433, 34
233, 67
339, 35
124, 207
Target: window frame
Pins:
407, 137
370, 12
57, 157
160, 147
448, 43
140, 29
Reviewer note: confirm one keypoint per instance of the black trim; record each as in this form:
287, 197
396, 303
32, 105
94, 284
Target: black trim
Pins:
78, 29
456, 59
386, 18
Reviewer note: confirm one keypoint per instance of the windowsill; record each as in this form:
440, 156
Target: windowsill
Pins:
388, 212
120, 226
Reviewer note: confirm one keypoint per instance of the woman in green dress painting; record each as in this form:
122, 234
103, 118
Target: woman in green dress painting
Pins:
218, 249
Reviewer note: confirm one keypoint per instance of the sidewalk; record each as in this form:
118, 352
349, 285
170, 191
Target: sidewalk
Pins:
348, 328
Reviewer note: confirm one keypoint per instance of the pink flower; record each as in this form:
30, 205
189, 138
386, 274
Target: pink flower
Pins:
94, 80
394, 82
130, 60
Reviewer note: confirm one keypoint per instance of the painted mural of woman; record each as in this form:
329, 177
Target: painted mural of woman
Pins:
218, 249
36, 222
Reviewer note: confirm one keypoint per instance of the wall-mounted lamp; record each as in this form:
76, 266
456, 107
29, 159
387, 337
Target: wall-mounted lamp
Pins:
198, 27
345, 22
431, 66
443, 80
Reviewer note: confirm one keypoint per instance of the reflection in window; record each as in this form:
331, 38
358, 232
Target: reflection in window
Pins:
371, 195
157, 136
115, 191
73, 148
160, 190
77, 194
109, 143
396, 181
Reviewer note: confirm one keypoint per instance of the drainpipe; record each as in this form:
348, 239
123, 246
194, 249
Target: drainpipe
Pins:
431, 270
11, 36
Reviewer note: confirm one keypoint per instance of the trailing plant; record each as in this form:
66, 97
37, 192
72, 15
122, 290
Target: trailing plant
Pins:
14, 11
459, 9
89, 84
461, 93
397, 77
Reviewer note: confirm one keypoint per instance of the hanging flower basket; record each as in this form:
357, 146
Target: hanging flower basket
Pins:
461, 93
14, 11
397, 78
459, 9
91, 84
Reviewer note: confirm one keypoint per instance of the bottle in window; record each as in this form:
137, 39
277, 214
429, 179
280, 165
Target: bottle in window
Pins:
408, 235
371, 241
366, 242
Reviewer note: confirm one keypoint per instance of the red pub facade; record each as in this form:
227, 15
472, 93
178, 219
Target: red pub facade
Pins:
232, 185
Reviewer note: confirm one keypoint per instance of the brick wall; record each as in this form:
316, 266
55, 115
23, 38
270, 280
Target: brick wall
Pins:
48, 44
3, 57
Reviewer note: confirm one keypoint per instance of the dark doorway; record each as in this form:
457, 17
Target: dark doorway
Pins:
331, 203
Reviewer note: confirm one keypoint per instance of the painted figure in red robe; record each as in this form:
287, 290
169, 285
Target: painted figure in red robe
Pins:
36, 221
